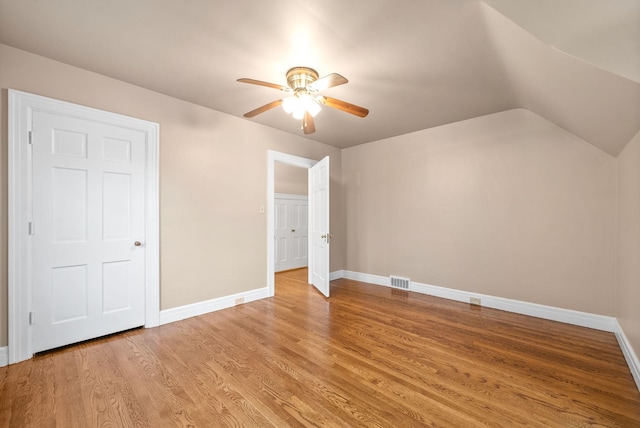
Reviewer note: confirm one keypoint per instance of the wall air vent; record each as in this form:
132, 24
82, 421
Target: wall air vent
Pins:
400, 282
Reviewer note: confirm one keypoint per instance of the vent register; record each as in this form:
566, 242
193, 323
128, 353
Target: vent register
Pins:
400, 282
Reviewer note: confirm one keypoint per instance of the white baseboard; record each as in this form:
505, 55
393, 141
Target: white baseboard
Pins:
4, 356
629, 354
583, 319
201, 308
336, 275
568, 316
368, 278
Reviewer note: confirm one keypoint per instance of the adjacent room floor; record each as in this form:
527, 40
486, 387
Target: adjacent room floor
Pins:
368, 356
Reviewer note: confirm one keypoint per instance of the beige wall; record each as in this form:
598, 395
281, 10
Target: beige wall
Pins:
290, 179
213, 170
508, 205
628, 290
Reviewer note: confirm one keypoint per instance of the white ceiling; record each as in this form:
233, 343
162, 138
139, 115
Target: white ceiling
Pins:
603, 32
414, 64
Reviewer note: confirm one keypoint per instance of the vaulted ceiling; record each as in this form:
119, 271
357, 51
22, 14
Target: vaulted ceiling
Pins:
415, 64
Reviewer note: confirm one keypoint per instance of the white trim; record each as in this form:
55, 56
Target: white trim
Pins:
193, 310
568, 316
21, 107
368, 278
272, 158
152, 224
18, 297
336, 275
291, 196
4, 356
629, 354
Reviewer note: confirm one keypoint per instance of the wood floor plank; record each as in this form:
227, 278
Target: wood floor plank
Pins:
368, 356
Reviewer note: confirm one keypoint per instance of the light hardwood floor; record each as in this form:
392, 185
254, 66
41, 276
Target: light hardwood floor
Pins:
369, 356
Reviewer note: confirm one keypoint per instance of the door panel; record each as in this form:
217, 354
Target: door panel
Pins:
69, 293
69, 200
281, 236
115, 286
116, 199
88, 210
319, 236
299, 232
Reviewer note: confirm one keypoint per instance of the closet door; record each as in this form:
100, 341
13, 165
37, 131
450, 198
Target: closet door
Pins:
291, 228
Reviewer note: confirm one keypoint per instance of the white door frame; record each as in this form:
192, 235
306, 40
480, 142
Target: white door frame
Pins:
272, 158
21, 107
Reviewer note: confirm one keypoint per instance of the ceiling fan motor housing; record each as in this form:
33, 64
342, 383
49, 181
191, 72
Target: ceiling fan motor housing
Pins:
298, 78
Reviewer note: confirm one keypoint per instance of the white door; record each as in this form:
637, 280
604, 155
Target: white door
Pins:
290, 230
88, 229
319, 236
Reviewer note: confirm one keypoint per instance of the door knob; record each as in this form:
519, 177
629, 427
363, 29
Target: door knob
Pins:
137, 243
293, 230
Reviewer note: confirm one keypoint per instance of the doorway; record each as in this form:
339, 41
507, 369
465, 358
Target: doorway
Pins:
309, 164
291, 216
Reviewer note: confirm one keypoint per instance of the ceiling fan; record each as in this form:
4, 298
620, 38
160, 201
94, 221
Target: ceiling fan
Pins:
305, 100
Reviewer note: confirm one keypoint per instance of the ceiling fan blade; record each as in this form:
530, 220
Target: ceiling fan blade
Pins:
344, 106
264, 108
267, 84
307, 123
326, 82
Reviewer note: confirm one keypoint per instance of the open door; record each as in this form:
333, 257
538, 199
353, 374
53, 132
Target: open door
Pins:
319, 236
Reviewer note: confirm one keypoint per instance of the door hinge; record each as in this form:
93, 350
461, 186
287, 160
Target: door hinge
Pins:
30, 137
32, 228
32, 318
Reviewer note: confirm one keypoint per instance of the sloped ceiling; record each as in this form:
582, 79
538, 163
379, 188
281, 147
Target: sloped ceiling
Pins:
601, 32
415, 64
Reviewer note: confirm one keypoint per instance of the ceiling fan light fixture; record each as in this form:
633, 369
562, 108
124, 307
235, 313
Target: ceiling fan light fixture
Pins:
289, 104
298, 114
310, 104
299, 104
